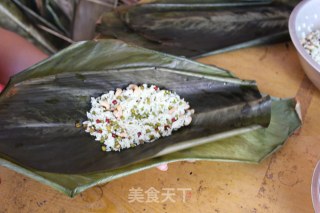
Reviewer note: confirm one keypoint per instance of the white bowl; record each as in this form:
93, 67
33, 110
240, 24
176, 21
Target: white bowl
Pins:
306, 18
315, 188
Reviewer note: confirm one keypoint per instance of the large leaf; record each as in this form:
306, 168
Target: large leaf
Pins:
57, 90
250, 147
56, 100
74, 19
222, 2
65, 21
11, 18
53, 18
192, 29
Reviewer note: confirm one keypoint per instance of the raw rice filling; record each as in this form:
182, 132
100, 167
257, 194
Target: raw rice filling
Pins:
139, 114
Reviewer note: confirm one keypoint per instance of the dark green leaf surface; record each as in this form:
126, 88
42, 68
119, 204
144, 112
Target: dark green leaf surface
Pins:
113, 54
250, 147
55, 92
11, 18
53, 104
191, 29
69, 20
52, 17
37, 13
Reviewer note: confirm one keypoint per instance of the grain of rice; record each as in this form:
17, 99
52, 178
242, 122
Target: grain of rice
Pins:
136, 115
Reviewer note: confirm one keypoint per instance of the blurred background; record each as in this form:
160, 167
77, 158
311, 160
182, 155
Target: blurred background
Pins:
182, 27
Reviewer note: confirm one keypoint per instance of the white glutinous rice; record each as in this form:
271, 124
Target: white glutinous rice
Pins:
312, 45
139, 114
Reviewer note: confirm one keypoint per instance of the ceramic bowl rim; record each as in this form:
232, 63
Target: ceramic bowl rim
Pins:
293, 34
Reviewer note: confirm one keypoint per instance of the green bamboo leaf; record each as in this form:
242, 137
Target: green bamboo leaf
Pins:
58, 98
288, 2
56, 92
189, 4
11, 18
106, 55
192, 30
67, 20
278, 37
62, 20
250, 147
35, 11
50, 19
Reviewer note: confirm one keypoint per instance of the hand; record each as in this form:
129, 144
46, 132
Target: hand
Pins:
16, 54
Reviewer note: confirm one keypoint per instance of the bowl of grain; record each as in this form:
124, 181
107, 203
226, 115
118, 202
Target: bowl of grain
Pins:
304, 29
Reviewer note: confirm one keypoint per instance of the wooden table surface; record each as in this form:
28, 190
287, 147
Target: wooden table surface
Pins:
281, 183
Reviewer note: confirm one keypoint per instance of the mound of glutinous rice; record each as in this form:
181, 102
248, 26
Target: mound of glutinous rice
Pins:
139, 114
